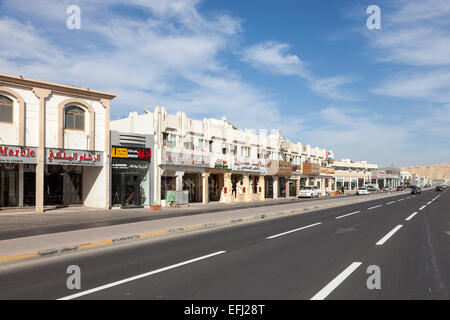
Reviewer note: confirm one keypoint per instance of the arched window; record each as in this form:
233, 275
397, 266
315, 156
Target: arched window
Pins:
74, 118
6, 109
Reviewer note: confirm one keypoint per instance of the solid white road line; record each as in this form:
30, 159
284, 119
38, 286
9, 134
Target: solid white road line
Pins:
322, 294
390, 234
117, 283
422, 207
429, 202
375, 207
411, 216
348, 214
287, 232
400, 199
391, 202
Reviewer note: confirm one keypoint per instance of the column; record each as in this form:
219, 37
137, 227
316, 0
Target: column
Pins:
179, 181
246, 185
275, 187
205, 196
287, 187
262, 185
20, 185
227, 187
41, 94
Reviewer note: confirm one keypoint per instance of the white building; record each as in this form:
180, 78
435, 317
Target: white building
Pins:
54, 144
215, 161
351, 175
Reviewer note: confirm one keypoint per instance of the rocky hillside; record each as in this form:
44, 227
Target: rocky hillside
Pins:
436, 171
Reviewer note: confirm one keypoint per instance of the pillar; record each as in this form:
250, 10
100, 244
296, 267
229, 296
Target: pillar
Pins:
41, 94
205, 195
179, 181
262, 185
275, 187
227, 186
246, 185
21, 185
287, 187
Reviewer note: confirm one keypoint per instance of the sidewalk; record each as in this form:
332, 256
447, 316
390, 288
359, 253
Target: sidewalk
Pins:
72, 241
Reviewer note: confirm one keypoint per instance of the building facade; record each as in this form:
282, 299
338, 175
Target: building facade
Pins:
212, 160
54, 144
352, 175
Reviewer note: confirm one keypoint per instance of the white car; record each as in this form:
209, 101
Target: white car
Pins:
362, 190
309, 192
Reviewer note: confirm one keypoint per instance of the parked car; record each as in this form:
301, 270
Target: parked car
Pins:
400, 188
387, 189
309, 192
371, 188
439, 188
362, 190
416, 190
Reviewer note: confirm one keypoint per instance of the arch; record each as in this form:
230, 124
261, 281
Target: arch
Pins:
20, 115
87, 108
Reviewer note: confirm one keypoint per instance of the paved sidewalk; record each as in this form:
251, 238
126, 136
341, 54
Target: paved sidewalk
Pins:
72, 241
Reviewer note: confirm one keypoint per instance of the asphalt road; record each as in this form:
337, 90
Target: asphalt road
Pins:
328, 254
25, 225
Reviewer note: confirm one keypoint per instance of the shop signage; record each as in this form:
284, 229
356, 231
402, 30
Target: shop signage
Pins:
279, 168
73, 157
12, 154
221, 164
325, 170
187, 159
311, 168
380, 174
133, 153
249, 165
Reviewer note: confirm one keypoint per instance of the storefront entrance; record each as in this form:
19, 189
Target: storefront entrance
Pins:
268, 187
129, 183
191, 183
292, 187
9, 185
63, 185
214, 187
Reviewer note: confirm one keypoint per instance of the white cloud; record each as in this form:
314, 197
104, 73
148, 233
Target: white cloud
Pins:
273, 57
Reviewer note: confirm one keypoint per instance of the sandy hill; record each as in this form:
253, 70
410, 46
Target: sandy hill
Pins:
434, 171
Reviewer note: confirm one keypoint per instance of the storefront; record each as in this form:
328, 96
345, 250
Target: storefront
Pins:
67, 174
17, 176
131, 171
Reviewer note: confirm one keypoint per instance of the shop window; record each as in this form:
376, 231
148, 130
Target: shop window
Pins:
74, 118
6, 109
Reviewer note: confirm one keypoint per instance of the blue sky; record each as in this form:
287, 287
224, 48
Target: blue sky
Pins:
310, 68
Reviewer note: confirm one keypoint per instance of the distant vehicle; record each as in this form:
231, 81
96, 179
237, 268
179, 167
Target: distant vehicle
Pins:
387, 189
416, 190
362, 190
439, 188
371, 188
309, 192
400, 188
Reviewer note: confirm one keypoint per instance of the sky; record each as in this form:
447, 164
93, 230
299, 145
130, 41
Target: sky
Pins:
313, 69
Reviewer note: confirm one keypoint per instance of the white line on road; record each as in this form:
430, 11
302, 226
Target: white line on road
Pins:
391, 202
422, 207
411, 216
374, 207
390, 234
400, 199
322, 294
287, 232
429, 202
117, 283
348, 214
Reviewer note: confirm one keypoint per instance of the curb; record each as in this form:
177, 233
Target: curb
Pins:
160, 233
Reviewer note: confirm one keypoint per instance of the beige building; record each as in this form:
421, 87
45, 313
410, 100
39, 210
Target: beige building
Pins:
352, 175
213, 160
54, 144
